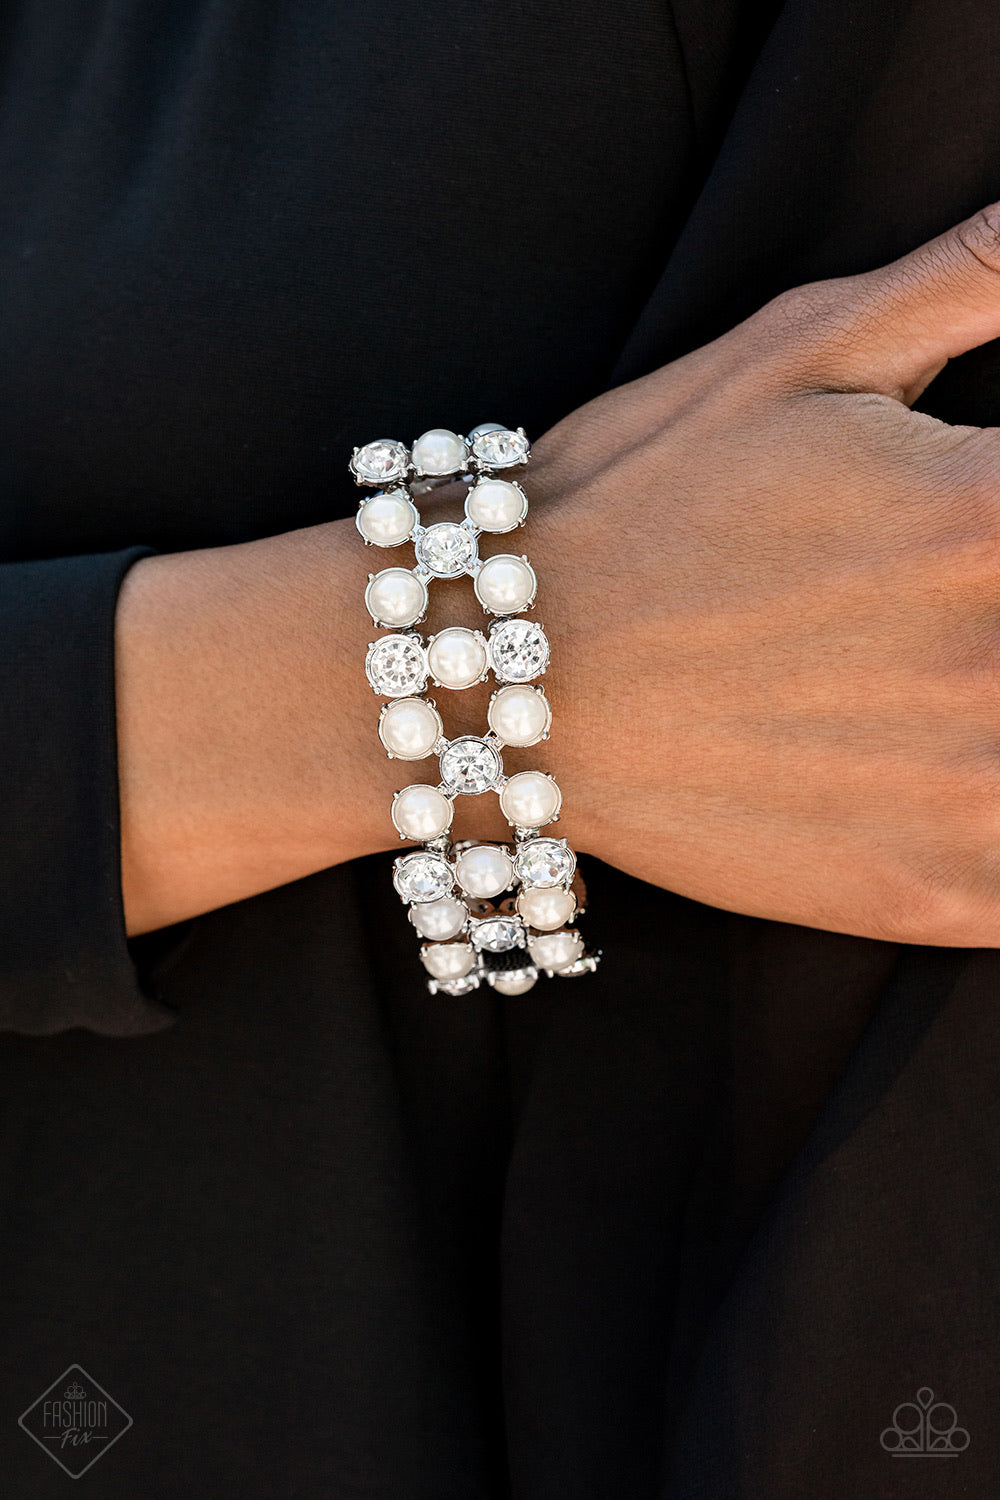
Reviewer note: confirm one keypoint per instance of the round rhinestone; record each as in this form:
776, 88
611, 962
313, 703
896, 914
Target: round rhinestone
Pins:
544, 862
470, 766
519, 650
500, 450
422, 877
498, 934
380, 461
396, 666
446, 549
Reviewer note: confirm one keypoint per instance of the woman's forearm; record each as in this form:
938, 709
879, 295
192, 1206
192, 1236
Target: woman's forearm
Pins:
243, 760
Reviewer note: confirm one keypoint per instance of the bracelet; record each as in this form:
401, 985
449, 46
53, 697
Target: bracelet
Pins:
489, 912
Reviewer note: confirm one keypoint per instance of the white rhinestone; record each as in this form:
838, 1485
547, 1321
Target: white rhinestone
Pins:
519, 650
438, 452
470, 766
441, 919
457, 657
484, 870
546, 907
448, 960
396, 666
378, 462
545, 862
498, 934
446, 550
505, 584
396, 597
421, 812
512, 981
422, 877
519, 715
556, 950
387, 520
410, 728
530, 799
496, 505
499, 450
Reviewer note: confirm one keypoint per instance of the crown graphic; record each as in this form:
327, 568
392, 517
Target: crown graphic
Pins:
925, 1428
75, 1392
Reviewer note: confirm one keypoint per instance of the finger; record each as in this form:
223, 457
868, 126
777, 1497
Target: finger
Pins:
891, 330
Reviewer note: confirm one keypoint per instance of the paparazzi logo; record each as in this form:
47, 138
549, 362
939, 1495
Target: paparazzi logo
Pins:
75, 1421
925, 1428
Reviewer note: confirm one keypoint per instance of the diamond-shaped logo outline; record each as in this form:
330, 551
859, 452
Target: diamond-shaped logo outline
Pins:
71, 1372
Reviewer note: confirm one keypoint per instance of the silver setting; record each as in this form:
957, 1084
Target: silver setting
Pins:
396, 624
478, 636
497, 530
470, 765
396, 666
454, 986
447, 549
501, 448
397, 754
529, 601
379, 494
585, 965
545, 862
518, 650
521, 744
422, 876
380, 461
497, 934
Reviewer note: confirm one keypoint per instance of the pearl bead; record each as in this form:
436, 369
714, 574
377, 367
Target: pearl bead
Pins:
421, 812
457, 657
496, 505
440, 919
387, 520
515, 983
505, 584
530, 799
395, 597
519, 715
438, 452
556, 950
546, 907
410, 728
484, 871
448, 960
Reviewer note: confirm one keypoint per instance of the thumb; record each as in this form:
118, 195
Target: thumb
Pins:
892, 330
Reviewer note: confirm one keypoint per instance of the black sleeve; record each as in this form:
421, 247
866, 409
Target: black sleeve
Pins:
64, 960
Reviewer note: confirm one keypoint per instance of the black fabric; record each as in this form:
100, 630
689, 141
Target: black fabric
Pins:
689, 1230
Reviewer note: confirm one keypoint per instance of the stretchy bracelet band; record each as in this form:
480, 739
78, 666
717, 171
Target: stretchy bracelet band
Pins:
497, 913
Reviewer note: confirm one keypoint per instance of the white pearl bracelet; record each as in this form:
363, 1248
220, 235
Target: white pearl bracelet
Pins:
488, 912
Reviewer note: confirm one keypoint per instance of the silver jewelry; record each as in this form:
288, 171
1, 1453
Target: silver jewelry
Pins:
488, 913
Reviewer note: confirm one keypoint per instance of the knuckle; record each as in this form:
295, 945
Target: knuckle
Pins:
980, 237
804, 329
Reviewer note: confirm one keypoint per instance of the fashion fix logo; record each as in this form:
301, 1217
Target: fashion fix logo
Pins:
75, 1421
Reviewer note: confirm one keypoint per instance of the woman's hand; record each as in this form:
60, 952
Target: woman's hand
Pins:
774, 596
773, 593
